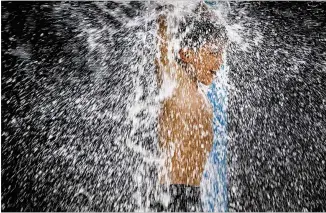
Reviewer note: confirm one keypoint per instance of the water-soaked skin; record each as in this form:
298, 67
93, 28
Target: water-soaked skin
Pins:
185, 121
186, 131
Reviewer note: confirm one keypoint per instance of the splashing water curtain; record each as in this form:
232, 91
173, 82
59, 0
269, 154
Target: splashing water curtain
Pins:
81, 104
123, 144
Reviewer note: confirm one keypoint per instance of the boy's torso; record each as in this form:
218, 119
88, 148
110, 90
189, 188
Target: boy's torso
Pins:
186, 129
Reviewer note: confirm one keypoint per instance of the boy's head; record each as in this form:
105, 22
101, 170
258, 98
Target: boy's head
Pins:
203, 47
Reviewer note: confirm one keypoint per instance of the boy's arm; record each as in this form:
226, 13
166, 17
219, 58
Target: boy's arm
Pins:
161, 61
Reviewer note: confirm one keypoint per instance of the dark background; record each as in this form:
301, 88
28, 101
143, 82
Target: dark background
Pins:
51, 80
277, 116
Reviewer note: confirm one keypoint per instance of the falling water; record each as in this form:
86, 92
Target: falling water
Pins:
80, 105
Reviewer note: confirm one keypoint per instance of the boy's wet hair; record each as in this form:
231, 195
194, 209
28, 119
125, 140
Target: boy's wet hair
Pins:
202, 30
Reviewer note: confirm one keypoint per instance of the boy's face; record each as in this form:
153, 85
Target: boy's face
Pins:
206, 60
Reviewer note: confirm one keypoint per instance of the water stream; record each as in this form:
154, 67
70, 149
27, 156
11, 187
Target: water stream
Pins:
80, 105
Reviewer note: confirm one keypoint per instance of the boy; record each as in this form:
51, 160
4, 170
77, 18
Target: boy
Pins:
186, 117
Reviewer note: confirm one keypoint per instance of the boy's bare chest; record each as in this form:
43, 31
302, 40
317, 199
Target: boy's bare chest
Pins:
187, 117
186, 131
